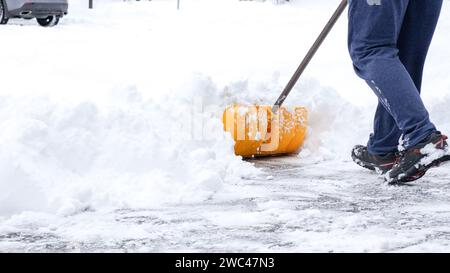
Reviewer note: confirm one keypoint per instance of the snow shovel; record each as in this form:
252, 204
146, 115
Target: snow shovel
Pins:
274, 130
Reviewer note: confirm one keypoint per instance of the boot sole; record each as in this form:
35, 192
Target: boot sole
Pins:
414, 173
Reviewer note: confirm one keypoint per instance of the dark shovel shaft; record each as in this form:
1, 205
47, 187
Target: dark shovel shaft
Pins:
329, 26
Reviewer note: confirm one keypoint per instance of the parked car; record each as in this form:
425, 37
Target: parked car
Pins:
46, 12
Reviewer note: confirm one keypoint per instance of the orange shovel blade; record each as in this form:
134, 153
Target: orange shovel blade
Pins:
259, 132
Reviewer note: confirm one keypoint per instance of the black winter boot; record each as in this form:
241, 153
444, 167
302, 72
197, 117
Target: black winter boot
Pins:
378, 163
417, 160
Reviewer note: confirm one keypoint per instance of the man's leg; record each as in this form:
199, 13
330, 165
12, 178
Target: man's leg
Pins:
374, 32
386, 135
413, 44
416, 34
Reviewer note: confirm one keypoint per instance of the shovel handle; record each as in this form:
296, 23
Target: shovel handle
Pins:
312, 51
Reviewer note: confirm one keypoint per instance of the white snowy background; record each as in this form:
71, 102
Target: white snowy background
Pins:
104, 145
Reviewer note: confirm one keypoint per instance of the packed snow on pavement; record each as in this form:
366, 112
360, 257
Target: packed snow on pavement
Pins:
111, 136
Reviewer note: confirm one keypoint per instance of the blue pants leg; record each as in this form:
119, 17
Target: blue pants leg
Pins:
388, 44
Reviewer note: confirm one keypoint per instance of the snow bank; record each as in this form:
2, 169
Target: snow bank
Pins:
128, 152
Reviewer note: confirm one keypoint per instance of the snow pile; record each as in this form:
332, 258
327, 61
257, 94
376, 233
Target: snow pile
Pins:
124, 152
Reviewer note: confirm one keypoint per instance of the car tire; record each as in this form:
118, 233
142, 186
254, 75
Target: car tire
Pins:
49, 21
3, 14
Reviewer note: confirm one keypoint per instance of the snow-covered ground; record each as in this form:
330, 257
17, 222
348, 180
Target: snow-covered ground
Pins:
111, 139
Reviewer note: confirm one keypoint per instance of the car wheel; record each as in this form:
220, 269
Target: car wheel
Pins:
50, 21
3, 17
